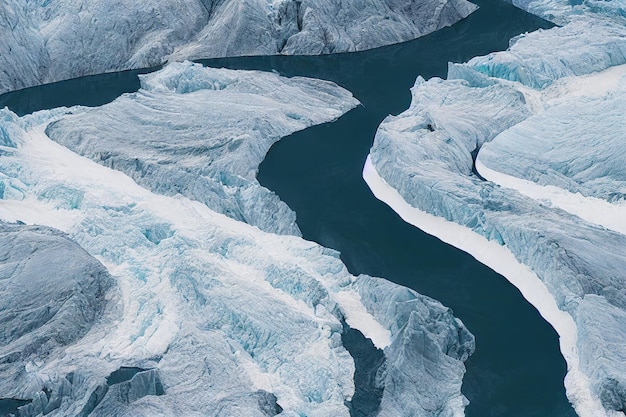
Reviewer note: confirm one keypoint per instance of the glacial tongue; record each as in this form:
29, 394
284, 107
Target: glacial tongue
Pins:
202, 133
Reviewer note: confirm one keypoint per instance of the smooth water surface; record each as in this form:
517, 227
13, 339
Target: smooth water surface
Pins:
517, 369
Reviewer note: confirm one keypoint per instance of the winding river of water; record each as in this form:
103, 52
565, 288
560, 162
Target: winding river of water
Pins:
517, 369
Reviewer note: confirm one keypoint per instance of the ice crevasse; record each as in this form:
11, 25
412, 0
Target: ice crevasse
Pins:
517, 158
174, 308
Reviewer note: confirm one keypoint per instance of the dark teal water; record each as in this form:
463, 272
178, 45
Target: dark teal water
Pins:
94, 90
517, 369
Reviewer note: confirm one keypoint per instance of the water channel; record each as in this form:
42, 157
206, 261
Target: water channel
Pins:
517, 369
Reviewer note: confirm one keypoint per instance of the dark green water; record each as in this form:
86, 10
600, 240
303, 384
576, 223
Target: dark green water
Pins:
517, 369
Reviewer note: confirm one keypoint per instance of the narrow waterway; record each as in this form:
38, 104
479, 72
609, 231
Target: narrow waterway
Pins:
517, 369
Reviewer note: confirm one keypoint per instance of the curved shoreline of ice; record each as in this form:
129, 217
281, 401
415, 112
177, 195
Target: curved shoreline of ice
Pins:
501, 260
223, 315
202, 132
51, 41
427, 152
591, 209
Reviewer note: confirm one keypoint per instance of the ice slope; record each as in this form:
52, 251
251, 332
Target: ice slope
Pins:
537, 59
51, 293
53, 40
212, 316
202, 132
572, 270
572, 154
562, 12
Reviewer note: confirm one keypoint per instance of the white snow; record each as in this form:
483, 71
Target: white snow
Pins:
591, 209
358, 317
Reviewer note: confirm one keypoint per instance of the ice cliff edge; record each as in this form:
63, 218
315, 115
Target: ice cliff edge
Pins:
503, 103
61, 39
209, 315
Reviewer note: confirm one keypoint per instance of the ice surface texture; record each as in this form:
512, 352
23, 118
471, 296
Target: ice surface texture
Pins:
213, 316
562, 12
427, 341
52, 40
51, 292
536, 59
425, 154
203, 132
577, 145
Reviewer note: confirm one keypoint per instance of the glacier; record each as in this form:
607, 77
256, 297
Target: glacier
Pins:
537, 59
516, 158
563, 12
53, 292
165, 136
53, 40
571, 154
196, 313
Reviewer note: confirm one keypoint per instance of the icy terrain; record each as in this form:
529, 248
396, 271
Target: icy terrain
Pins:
205, 315
52, 40
202, 132
562, 12
52, 292
549, 112
572, 154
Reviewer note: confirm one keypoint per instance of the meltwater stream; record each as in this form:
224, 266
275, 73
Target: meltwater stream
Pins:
517, 369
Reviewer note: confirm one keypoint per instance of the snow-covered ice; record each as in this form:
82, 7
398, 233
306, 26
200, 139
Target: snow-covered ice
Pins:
52, 40
545, 115
539, 58
206, 315
202, 132
572, 154
562, 12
